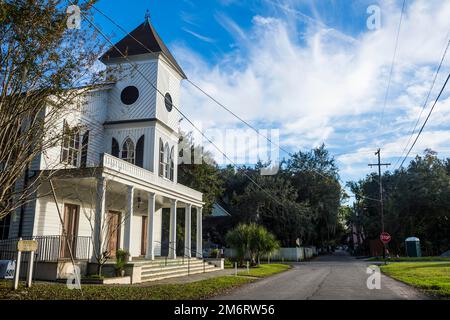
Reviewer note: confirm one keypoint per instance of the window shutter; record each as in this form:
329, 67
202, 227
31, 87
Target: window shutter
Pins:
115, 148
171, 177
140, 152
84, 149
161, 158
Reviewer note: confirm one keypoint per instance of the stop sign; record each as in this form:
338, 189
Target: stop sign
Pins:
385, 237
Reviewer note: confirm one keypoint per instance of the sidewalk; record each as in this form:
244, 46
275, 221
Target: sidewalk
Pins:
189, 279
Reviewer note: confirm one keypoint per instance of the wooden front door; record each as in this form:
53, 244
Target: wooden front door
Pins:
71, 228
144, 236
113, 234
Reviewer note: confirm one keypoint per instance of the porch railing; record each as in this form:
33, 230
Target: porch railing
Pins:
122, 166
50, 248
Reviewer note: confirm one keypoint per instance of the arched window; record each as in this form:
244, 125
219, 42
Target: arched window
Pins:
167, 161
161, 158
115, 150
171, 163
128, 151
140, 152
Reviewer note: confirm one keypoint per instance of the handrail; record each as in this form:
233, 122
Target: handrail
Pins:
185, 255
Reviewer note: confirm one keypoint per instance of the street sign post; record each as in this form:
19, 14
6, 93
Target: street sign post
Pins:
25, 246
385, 237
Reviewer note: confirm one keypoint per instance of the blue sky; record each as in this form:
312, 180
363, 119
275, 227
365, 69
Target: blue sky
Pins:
311, 69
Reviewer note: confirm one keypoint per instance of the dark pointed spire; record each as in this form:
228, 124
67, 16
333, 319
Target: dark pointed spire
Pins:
147, 16
142, 40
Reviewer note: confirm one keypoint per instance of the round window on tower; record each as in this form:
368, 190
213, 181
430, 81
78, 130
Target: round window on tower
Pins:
168, 102
129, 95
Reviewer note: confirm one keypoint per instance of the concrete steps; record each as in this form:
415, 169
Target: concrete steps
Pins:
160, 269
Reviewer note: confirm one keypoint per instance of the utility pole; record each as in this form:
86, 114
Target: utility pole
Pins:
379, 164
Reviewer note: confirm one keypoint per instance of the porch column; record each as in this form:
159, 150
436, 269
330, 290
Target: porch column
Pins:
173, 230
100, 207
150, 222
199, 233
128, 232
187, 230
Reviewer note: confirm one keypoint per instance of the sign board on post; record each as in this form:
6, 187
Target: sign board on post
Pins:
385, 237
25, 246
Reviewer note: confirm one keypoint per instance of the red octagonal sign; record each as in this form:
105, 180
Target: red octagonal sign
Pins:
385, 237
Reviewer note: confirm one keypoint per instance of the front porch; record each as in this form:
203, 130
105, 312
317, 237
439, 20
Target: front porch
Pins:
119, 205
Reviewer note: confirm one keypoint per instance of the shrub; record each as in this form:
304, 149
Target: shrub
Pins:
214, 253
252, 241
121, 260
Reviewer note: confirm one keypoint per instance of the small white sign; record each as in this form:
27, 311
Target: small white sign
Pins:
7, 268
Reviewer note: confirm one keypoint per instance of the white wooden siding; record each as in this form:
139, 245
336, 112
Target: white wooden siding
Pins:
144, 107
168, 81
89, 115
133, 131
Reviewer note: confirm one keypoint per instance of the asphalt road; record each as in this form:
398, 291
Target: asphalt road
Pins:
328, 277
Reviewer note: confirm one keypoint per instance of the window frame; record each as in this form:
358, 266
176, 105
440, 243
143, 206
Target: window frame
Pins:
70, 145
161, 158
171, 165
167, 161
127, 143
168, 99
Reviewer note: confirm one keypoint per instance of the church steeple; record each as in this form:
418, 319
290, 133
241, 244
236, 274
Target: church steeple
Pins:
147, 17
142, 40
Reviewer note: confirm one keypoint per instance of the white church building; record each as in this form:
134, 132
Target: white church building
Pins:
115, 172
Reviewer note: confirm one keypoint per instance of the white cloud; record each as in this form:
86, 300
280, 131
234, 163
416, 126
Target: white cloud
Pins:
199, 36
320, 85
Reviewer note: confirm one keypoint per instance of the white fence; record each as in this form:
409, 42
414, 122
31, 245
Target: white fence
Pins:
284, 254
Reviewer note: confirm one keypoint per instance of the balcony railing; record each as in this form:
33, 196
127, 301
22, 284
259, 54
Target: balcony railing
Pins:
50, 248
147, 176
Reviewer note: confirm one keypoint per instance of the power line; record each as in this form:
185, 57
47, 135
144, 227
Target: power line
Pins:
425, 103
193, 83
222, 105
426, 120
179, 111
392, 63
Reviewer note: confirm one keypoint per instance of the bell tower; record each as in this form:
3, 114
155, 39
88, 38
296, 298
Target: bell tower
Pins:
148, 64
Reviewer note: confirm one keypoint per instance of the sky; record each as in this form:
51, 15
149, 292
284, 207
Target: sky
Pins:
314, 71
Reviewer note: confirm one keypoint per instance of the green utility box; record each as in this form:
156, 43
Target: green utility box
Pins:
412, 245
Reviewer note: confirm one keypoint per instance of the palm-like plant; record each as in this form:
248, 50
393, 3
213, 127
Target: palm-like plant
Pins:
251, 240
238, 239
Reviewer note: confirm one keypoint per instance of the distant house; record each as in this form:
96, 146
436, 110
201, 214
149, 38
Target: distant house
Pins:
219, 211
216, 225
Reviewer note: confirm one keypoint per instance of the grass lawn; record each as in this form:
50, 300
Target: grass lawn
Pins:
265, 270
189, 291
56, 291
431, 277
411, 259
